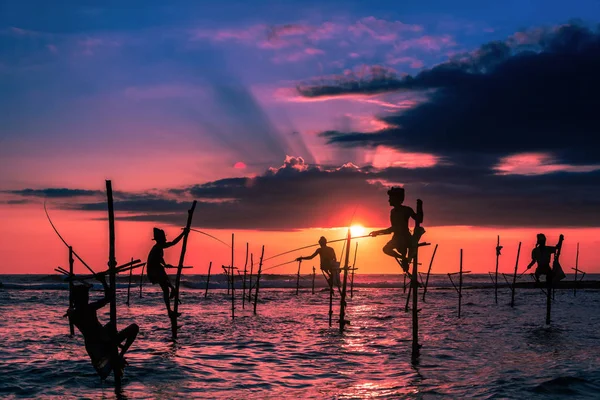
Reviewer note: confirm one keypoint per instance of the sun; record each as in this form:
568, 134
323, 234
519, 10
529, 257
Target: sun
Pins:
357, 230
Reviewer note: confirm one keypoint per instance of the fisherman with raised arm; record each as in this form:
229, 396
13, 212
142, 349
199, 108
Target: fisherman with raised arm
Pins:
402, 241
541, 255
156, 266
329, 264
99, 340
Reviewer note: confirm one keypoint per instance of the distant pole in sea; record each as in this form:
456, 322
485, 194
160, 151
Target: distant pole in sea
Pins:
512, 300
207, 279
129, 284
429, 272
71, 262
232, 280
244, 281
142, 280
112, 263
298, 278
353, 269
460, 279
250, 278
498, 248
262, 254
313, 280
576, 271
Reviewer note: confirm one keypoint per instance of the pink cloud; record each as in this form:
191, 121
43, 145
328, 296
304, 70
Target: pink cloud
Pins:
52, 48
427, 42
297, 55
412, 61
380, 29
385, 157
537, 164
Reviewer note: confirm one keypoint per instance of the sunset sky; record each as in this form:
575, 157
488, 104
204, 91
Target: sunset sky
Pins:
288, 120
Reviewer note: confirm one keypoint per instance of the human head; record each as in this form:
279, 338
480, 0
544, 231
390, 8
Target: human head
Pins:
80, 295
541, 239
159, 236
396, 196
322, 241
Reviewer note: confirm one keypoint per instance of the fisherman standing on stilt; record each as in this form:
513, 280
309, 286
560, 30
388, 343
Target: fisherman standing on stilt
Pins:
402, 245
541, 255
329, 264
156, 266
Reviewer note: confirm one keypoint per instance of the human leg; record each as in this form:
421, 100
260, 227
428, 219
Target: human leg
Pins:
128, 335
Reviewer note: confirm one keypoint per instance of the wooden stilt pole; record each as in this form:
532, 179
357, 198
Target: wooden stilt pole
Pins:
112, 263
244, 281
576, 271
414, 283
129, 284
330, 282
460, 274
142, 280
207, 280
298, 278
313, 280
353, 269
174, 326
232, 280
343, 320
512, 300
408, 298
262, 254
71, 262
498, 248
250, 278
404, 285
428, 272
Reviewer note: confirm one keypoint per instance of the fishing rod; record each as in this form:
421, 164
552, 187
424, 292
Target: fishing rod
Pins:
210, 236
65, 242
313, 245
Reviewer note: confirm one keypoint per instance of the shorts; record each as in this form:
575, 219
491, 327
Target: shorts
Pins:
157, 275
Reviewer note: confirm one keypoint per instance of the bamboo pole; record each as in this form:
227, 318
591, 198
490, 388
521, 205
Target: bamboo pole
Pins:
414, 283
576, 271
512, 299
330, 282
129, 284
313, 280
207, 280
244, 281
343, 320
142, 279
71, 262
174, 326
404, 285
298, 278
112, 263
250, 278
498, 248
353, 269
262, 254
408, 297
232, 279
460, 275
429, 272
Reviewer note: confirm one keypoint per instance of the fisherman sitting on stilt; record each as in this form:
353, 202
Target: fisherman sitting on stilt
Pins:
402, 241
329, 264
99, 340
541, 255
156, 266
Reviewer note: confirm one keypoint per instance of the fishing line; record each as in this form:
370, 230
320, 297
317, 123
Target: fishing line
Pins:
210, 236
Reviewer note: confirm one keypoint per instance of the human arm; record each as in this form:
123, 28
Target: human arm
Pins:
96, 305
533, 259
560, 240
313, 255
382, 232
418, 216
177, 239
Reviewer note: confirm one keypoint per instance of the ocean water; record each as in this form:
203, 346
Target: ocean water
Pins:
288, 349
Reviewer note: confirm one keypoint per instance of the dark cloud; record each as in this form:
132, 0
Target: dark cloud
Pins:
299, 196
55, 192
537, 91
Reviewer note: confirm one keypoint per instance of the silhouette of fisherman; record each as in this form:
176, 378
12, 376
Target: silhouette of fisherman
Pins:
329, 264
541, 255
99, 340
402, 241
156, 266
